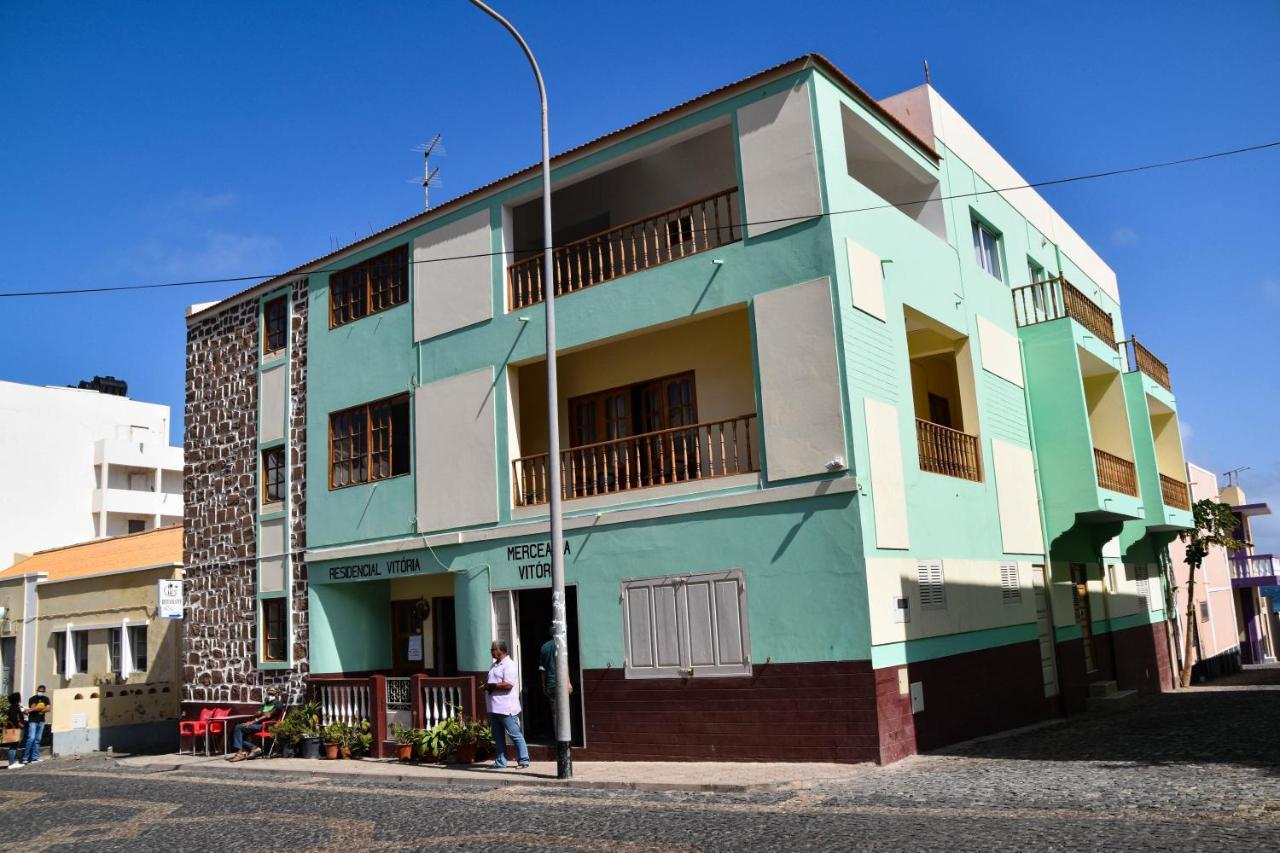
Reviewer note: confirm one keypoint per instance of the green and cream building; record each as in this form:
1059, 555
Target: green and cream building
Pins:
854, 463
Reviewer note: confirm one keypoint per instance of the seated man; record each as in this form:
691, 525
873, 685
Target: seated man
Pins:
270, 708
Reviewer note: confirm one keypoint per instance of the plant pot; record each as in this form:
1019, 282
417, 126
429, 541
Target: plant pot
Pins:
311, 747
465, 754
404, 751
288, 749
346, 751
331, 751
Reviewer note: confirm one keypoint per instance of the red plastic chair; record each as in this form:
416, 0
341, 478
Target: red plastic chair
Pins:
194, 729
218, 726
267, 732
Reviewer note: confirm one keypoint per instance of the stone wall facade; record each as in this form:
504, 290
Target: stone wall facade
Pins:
221, 503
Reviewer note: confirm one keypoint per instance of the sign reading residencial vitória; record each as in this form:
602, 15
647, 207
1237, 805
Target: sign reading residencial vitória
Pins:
529, 560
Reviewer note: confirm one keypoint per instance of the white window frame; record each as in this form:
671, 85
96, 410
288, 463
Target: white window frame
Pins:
680, 586
113, 649
136, 648
987, 256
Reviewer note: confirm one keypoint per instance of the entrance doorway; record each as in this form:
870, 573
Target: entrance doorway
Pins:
1084, 615
446, 637
1044, 631
407, 652
529, 611
6, 665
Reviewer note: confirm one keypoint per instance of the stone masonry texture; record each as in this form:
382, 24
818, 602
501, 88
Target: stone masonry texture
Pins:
220, 482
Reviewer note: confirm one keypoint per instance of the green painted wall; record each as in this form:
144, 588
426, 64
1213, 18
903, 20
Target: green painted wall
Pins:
807, 599
350, 626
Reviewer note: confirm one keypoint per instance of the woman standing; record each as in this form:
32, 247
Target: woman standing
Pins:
14, 721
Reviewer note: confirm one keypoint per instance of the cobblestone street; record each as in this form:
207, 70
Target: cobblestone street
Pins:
1139, 779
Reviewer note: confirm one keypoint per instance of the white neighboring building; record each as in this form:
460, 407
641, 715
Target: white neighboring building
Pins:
77, 464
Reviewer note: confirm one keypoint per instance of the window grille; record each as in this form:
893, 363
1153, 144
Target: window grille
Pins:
1010, 591
933, 594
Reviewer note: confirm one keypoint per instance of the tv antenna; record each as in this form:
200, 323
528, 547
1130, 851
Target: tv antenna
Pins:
1233, 476
430, 177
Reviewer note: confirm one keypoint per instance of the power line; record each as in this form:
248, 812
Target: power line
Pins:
1128, 170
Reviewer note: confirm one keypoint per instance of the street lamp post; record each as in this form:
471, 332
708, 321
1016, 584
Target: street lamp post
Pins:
559, 629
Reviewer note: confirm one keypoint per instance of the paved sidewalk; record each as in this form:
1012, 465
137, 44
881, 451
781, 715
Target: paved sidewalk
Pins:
621, 775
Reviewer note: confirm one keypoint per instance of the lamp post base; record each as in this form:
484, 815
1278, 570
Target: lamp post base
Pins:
564, 760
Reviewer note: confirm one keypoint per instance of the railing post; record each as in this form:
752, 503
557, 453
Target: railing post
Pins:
378, 712
417, 684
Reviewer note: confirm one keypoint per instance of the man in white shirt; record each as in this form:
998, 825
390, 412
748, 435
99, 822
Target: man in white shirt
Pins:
502, 696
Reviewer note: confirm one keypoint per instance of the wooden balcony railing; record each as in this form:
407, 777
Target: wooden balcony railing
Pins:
1140, 358
678, 455
1057, 298
948, 451
693, 227
1116, 474
1174, 492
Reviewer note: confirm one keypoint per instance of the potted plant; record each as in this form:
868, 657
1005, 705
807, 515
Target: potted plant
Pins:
432, 743
406, 739
360, 739
336, 735
309, 735
483, 736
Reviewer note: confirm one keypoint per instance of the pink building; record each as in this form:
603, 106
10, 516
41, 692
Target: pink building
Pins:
1216, 641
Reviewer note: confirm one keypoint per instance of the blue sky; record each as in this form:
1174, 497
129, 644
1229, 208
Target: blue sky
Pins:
147, 142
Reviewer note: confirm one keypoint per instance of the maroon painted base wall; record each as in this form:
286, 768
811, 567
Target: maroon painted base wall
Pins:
1135, 658
965, 696
783, 712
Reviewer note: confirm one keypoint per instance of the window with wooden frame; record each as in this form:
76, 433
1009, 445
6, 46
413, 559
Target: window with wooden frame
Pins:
369, 442
273, 474
371, 286
275, 325
273, 629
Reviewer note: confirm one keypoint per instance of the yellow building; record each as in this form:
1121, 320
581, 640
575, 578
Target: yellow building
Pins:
85, 621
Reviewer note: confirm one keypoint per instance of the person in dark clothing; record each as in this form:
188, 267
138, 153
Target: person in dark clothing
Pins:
37, 706
15, 719
243, 731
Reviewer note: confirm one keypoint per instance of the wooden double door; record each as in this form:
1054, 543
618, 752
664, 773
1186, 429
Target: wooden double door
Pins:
602, 459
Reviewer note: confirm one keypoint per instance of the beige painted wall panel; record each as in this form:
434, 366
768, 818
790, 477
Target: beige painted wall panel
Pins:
273, 399
867, 278
1020, 530
271, 558
449, 295
779, 161
455, 436
799, 381
973, 596
1000, 353
888, 483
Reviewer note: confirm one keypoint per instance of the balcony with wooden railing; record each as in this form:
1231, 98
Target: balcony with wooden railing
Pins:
1116, 474
1141, 359
1174, 493
685, 454
1056, 298
691, 228
948, 451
